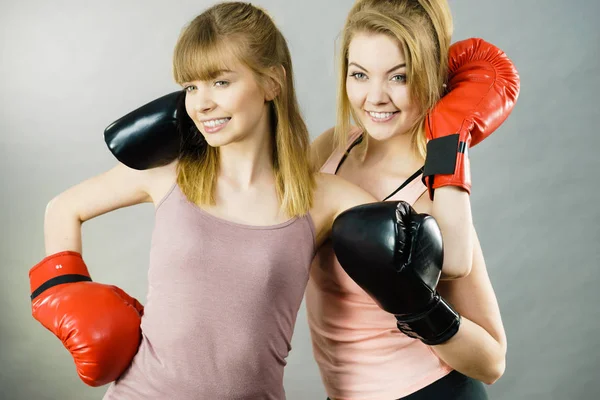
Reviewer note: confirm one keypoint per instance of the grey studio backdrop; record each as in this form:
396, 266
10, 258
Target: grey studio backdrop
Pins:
69, 68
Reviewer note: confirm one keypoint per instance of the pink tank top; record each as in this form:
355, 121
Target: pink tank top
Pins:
221, 307
360, 352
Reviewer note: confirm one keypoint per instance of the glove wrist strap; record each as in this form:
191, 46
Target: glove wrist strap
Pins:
447, 164
441, 155
435, 326
56, 269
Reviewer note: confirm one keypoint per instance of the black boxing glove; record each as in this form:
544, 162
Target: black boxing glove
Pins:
149, 136
395, 255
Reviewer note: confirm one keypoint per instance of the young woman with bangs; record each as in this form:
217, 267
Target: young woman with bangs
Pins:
239, 215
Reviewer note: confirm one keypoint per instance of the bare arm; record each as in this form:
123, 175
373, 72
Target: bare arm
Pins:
119, 187
478, 349
451, 208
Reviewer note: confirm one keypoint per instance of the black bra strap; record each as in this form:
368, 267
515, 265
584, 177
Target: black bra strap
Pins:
357, 141
406, 182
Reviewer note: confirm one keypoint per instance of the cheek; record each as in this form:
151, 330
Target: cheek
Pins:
356, 93
401, 98
243, 101
246, 106
189, 107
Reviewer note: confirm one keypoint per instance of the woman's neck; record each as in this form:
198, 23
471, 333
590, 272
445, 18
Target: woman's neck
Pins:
248, 162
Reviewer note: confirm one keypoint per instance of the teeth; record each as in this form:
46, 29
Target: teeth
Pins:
215, 122
378, 115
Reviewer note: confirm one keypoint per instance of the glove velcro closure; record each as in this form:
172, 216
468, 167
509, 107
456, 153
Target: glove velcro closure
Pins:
441, 155
434, 326
56, 269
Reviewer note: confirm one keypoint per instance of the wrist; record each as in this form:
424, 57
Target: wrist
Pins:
447, 164
436, 325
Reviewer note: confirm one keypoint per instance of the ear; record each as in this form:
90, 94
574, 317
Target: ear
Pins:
275, 79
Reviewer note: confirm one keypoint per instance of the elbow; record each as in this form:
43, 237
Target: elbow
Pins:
55, 206
496, 367
495, 372
51, 207
60, 209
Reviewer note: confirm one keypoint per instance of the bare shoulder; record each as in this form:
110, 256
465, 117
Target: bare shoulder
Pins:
154, 182
160, 180
321, 148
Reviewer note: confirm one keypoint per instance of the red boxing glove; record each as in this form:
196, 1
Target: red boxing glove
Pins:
483, 87
99, 324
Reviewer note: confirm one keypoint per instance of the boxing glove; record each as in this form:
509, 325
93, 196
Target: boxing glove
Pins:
483, 86
395, 255
98, 324
149, 136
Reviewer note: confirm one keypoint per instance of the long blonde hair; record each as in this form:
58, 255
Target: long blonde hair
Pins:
424, 29
249, 35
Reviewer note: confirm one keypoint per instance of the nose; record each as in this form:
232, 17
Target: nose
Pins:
199, 101
377, 93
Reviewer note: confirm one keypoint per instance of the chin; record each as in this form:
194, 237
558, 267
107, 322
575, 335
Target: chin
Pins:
379, 132
221, 138
383, 132
214, 140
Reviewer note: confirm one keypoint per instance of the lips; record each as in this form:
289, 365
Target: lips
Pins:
215, 124
381, 116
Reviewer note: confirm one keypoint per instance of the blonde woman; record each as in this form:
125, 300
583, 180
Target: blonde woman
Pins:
238, 218
381, 331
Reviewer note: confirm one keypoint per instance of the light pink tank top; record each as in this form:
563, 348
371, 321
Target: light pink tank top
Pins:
221, 306
360, 352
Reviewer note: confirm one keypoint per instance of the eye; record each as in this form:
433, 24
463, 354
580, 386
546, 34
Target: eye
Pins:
358, 76
221, 83
399, 78
189, 88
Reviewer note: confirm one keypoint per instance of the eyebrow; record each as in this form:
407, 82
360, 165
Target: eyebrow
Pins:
390, 70
220, 72
213, 75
